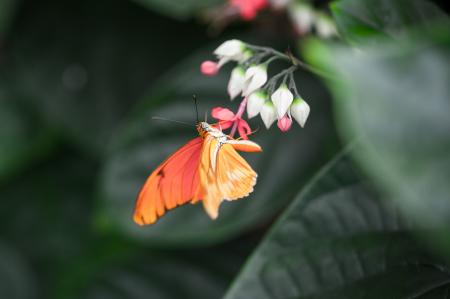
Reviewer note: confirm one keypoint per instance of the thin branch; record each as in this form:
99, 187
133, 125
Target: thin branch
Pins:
294, 60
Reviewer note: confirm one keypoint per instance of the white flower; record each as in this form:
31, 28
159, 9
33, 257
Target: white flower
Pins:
268, 114
255, 103
300, 111
230, 50
302, 15
255, 77
282, 99
325, 26
236, 83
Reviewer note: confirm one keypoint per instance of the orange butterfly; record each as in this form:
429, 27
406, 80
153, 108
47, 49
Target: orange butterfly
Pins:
207, 168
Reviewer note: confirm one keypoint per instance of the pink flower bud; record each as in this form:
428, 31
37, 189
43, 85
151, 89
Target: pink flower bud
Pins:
209, 68
284, 123
248, 13
248, 9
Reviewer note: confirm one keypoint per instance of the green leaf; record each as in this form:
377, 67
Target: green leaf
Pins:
16, 278
339, 239
395, 98
179, 9
86, 74
24, 136
144, 144
358, 21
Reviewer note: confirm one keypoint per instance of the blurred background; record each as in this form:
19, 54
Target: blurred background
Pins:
79, 83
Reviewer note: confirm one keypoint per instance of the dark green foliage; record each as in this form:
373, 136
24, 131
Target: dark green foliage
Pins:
79, 83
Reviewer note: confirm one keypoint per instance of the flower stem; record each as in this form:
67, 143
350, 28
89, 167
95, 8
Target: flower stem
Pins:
238, 116
293, 86
270, 86
294, 60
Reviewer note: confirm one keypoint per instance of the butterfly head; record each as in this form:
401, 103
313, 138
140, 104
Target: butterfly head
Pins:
203, 128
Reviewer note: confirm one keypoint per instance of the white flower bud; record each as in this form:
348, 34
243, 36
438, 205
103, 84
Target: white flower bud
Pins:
255, 103
282, 99
268, 114
231, 50
236, 83
302, 15
300, 111
325, 26
255, 77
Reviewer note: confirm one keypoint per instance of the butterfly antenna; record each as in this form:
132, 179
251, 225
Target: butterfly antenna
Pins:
172, 120
194, 97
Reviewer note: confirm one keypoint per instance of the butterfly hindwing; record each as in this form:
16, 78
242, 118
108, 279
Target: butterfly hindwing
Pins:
227, 175
234, 175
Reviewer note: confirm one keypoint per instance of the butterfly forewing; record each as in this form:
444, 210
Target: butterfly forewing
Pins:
173, 183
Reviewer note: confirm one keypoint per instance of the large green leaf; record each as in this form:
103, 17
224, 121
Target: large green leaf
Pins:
83, 64
339, 239
179, 9
143, 144
396, 98
359, 20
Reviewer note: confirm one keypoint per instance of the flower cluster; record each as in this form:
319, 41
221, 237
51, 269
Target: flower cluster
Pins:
274, 99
